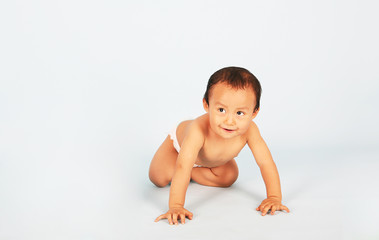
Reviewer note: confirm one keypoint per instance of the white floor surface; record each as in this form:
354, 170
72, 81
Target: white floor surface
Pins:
331, 195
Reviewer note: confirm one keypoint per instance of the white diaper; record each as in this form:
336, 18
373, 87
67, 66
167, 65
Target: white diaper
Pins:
174, 139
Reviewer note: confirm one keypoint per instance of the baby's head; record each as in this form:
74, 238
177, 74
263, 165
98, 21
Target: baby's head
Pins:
232, 101
236, 78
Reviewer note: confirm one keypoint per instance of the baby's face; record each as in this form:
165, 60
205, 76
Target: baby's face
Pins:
230, 110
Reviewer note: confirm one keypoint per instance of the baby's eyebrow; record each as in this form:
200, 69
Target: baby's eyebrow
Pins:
218, 103
243, 108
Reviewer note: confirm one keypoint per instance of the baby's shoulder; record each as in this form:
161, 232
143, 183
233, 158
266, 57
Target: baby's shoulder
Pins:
193, 127
252, 132
199, 124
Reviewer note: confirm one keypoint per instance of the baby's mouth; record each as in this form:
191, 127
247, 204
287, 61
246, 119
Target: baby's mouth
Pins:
229, 130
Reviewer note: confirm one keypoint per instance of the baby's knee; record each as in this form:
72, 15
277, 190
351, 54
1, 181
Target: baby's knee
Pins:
230, 178
228, 181
160, 182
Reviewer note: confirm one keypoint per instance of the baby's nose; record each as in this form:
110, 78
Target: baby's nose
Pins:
229, 120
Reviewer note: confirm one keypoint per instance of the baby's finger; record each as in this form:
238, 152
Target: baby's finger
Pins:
284, 208
273, 209
175, 219
169, 218
183, 218
261, 207
265, 209
189, 215
160, 217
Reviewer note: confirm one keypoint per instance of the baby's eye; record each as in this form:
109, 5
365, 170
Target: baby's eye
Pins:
239, 113
221, 110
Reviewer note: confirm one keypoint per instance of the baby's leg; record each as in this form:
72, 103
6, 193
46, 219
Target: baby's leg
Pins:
221, 176
163, 164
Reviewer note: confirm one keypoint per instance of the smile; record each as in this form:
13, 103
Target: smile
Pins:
228, 130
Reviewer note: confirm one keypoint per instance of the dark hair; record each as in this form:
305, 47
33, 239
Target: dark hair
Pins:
238, 78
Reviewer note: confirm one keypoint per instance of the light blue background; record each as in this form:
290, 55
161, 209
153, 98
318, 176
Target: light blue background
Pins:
89, 90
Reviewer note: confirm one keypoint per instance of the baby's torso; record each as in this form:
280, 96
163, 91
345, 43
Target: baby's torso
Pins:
214, 152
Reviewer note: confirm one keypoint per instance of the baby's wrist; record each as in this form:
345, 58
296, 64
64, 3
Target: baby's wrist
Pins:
176, 205
275, 198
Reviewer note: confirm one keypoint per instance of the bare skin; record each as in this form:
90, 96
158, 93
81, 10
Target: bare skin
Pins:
163, 165
213, 140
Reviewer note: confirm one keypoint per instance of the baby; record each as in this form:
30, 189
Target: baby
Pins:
203, 149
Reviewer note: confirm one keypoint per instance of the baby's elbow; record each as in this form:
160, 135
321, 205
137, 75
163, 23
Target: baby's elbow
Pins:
266, 165
263, 164
182, 170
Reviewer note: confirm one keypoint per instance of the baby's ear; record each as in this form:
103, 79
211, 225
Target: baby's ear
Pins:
205, 105
255, 113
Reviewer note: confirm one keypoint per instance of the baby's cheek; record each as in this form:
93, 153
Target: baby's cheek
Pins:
217, 121
245, 126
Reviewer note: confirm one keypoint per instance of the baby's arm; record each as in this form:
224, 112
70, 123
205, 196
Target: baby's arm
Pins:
191, 145
269, 172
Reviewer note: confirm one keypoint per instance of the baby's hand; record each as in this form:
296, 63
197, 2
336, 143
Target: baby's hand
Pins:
173, 214
272, 204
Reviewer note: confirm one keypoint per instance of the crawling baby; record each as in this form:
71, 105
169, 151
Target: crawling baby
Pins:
203, 149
